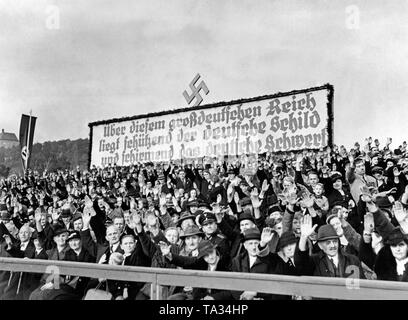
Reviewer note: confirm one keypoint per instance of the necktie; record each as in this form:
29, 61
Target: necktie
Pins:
334, 266
290, 263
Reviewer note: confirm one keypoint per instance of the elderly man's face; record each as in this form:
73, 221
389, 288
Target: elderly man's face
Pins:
185, 223
24, 234
329, 247
192, 242
112, 235
251, 247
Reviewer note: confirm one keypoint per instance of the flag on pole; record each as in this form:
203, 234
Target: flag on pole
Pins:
27, 127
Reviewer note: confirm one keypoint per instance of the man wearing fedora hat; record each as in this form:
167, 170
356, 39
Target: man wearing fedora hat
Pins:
330, 261
192, 237
249, 261
186, 219
235, 234
281, 262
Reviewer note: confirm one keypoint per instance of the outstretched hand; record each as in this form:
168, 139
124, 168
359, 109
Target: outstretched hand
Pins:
399, 212
164, 248
266, 236
306, 228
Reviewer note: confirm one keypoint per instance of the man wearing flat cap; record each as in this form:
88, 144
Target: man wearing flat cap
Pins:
330, 261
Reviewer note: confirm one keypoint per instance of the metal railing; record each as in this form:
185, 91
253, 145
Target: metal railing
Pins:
321, 287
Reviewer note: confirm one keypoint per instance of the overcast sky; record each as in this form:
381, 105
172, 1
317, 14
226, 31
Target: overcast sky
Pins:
121, 58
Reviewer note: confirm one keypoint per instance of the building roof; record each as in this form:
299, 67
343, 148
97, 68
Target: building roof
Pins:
9, 136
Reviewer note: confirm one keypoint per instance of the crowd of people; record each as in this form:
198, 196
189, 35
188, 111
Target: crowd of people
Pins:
328, 213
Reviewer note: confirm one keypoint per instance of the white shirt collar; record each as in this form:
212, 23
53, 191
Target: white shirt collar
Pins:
115, 247
251, 261
401, 266
335, 260
23, 245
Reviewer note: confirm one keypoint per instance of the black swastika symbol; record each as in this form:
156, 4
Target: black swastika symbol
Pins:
196, 91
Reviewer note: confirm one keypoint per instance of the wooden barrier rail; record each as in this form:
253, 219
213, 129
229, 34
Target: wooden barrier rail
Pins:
335, 288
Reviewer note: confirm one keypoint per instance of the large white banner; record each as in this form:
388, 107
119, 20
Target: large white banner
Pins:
296, 120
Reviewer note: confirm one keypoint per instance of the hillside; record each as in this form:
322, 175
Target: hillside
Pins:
48, 155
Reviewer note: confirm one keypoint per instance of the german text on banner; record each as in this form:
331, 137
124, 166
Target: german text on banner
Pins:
296, 120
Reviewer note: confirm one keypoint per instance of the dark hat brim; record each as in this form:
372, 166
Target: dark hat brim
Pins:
74, 237
286, 243
181, 219
208, 221
328, 238
198, 233
252, 237
58, 232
